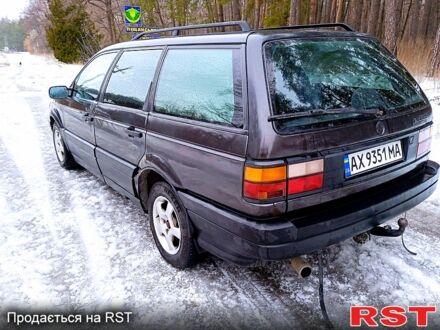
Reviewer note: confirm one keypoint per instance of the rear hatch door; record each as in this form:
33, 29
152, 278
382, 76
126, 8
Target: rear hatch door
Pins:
347, 101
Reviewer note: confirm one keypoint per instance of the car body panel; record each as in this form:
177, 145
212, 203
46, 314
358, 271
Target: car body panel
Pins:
120, 142
205, 162
302, 232
80, 132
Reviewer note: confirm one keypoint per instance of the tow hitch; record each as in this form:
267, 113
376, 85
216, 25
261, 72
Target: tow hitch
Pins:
387, 231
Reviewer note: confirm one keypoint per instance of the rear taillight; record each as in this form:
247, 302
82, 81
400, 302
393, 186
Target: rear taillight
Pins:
262, 191
265, 183
306, 183
305, 176
424, 141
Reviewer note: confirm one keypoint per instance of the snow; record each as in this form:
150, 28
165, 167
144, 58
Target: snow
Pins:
70, 243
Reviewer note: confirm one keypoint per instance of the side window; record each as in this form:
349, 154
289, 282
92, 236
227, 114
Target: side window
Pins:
131, 78
89, 82
201, 84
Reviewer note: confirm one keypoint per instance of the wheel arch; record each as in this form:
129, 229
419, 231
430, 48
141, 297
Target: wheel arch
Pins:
147, 177
55, 117
145, 180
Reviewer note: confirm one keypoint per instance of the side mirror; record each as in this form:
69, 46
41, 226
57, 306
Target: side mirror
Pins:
58, 92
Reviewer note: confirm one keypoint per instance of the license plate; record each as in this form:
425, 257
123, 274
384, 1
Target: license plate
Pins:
369, 159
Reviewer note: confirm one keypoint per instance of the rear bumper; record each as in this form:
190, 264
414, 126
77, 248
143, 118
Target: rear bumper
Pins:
241, 240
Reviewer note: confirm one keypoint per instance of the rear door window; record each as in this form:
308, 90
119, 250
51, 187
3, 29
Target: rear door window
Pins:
201, 84
131, 78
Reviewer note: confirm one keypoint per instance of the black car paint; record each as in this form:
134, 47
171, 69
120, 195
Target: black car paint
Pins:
205, 161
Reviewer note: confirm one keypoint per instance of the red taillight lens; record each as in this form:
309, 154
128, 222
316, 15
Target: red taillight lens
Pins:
305, 183
263, 183
305, 176
263, 191
424, 141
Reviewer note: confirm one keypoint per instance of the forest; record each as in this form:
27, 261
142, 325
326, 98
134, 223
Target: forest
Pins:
408, 28
11, 35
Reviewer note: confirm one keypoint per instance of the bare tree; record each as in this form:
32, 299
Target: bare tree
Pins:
89, 45
327, 10
404, 19
340, 11
104, 16
373, 17
433, 19
235, 10
380, 20
34, 23
354, 16
294, 12
333, 10
257, 11
313, 11
435, 60
365, 12
390, 38
159, 13
413, 20
424, 18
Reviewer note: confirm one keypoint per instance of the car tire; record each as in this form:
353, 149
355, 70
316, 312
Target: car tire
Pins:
170, 226
64, 157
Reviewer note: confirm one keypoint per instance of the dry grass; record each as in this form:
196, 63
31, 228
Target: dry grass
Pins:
416, 56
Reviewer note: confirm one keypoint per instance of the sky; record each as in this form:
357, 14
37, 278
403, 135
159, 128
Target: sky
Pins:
12, 8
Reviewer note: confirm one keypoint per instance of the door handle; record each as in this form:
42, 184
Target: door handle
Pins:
131, 132
87, 117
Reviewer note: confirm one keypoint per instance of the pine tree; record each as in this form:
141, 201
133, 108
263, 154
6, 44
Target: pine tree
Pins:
70, 34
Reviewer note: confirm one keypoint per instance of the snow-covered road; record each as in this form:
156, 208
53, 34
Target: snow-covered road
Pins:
68, 242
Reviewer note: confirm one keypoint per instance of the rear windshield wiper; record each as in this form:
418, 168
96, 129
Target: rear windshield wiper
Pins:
319, 112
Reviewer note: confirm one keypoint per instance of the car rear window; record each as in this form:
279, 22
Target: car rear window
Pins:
348, 75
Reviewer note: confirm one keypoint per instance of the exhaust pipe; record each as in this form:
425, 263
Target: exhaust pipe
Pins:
301, 267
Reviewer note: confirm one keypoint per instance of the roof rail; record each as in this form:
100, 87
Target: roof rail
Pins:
175, 30
313, 26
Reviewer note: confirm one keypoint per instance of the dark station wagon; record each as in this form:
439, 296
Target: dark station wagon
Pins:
250, 145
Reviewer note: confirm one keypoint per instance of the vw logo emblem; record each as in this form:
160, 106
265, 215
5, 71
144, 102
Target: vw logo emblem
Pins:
380, 128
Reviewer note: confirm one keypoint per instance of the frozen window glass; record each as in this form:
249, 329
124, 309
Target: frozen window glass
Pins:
201, 84
131, 78
89, 82
349, 75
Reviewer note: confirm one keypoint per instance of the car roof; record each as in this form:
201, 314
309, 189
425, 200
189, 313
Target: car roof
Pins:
224, 38
235, 37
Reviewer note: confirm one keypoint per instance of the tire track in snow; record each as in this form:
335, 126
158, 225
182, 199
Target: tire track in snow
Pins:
24, 242
83, 233
252, 295
44, 269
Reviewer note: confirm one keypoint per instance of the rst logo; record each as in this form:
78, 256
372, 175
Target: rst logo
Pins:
389, 316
